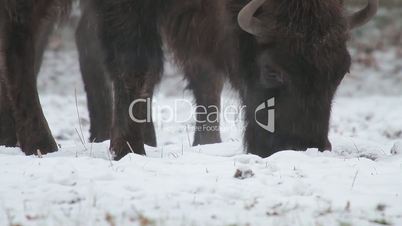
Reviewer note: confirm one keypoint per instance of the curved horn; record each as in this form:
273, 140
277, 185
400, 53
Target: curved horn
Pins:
246, 19
363, 16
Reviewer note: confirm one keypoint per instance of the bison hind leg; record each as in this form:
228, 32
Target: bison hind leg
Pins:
98, 85
206, 84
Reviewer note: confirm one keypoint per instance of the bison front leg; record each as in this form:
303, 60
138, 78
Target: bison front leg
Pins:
206, 85
19, 50
131, 116
134, 60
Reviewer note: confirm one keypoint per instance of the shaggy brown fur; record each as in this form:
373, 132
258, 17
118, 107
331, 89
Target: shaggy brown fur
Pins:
24, 28
299, 61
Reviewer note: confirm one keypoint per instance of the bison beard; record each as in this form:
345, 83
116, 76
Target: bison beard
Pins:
290, 50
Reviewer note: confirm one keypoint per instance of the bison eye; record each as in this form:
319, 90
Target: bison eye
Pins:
271, 78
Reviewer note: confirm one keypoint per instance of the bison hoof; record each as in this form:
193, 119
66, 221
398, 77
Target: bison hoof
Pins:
120, 149
8, 141
99, 137
328, 147
41, 147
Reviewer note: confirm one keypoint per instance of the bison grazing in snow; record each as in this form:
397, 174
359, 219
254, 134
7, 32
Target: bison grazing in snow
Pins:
291, 52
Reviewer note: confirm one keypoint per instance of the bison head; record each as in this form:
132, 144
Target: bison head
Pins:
300, 59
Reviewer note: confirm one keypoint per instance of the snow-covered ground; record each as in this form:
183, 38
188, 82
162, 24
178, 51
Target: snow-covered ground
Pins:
358, 183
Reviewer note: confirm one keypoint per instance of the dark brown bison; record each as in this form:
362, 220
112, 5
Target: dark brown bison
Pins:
291, 50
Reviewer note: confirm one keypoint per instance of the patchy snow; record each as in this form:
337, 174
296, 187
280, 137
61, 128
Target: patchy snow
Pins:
192, 186
358, 183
